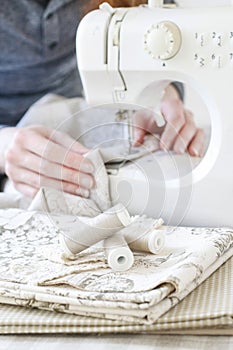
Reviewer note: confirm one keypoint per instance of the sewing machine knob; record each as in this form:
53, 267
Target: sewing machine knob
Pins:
163, 40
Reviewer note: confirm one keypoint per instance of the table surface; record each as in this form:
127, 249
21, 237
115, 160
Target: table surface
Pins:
113, 342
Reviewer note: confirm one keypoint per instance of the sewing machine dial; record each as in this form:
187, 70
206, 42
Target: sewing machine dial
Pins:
163, 40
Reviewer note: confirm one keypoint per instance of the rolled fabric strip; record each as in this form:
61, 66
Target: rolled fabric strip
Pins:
145, 234
152, 242
81, 233
117, 252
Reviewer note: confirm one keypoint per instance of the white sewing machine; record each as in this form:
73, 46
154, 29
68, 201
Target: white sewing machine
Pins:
126, 56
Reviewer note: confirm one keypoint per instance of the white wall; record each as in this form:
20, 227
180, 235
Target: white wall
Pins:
203, 3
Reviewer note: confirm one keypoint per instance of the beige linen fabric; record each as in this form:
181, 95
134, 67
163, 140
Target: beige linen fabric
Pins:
88, 287
207, 310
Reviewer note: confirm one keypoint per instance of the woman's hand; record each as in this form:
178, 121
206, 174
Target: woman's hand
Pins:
180, 132
37, 156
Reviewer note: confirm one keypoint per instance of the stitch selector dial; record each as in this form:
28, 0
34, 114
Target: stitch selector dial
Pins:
163, 40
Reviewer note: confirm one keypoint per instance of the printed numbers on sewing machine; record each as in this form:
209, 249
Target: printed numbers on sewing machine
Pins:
202, 39
206, 39
200, 61
217, 39
231, 59
219, 43
218, 61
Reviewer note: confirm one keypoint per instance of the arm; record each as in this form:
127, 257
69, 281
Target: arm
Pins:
37, 156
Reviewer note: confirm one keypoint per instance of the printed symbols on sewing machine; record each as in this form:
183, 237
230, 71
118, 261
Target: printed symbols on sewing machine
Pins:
200, 61
202, 38
231, 39
214, 39
231, 59
218, 39
217, 61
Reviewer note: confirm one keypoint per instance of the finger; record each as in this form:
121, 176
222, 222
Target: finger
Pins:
196, 146
30, 191
26, 189
144, 123
42, 167
138, 135
67, 142
59, 137
140, 126
173, 113
169, 136
185, 136
53, 152
34, 181
69, 175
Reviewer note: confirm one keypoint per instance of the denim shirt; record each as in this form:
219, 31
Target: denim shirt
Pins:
37, 53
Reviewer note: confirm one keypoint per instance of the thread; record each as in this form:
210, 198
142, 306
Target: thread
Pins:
117, 252
145, 234
82, 233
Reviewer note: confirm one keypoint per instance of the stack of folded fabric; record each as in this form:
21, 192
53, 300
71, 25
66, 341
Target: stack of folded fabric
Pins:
207, 310
37, 273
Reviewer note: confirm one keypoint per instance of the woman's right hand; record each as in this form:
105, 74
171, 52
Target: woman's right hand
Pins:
37, 156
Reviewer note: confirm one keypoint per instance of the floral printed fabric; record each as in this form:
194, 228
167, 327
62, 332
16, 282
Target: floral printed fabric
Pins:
35, 272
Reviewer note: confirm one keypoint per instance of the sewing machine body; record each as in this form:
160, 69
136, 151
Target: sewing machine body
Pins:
116, 63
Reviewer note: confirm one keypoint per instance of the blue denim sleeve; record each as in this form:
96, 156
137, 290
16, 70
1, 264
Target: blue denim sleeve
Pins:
2, 181
180, 89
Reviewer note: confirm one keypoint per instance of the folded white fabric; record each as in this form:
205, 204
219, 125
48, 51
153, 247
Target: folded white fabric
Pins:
88, 286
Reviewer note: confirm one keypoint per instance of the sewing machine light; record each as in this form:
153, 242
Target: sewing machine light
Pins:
163, 40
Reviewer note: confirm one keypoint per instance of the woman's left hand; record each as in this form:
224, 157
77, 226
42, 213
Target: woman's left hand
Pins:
180, 132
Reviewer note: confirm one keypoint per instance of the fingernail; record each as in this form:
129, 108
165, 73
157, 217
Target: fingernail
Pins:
136, 143
86, 182
83, 192
195, 152
181, 150
86, 167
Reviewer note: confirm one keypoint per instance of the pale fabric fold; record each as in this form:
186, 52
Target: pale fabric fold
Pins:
100, 193
88, 287
204, 311
53, 201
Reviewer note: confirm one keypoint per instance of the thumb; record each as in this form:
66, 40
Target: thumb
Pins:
138, 136
68, 142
